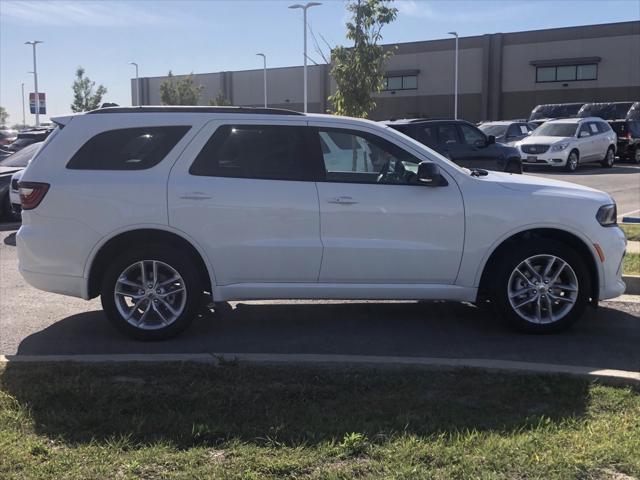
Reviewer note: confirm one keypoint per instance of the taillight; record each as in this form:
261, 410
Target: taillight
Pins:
32, 193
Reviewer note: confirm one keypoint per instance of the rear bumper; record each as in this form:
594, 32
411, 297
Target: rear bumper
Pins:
62, 284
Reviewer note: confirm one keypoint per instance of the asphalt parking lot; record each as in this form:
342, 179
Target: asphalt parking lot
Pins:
38, 323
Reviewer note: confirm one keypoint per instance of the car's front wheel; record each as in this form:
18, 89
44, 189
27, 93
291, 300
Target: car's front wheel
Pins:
152, 292
608, 159
572, 162
543, 286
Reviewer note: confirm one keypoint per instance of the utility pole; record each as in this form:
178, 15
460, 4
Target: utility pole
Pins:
35, 80
264, 75
304, 8
23, 119
455, 95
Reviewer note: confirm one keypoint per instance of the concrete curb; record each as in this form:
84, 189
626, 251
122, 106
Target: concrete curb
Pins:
633, 284
593, 373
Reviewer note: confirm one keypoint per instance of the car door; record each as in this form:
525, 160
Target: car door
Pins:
586, 144
381, 227
244, 191
479, 153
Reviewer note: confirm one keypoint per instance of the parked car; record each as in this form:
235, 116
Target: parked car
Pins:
628, 132
543, 113
27, 137
8, 167
150, 207
7, 136
14, 194
568, 142
462, 143
611, 110
507, 132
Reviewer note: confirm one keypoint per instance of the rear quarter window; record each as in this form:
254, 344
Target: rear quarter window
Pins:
127, 148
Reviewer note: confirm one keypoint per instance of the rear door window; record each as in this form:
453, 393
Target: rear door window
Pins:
270, 152
447, 134
127, 148
427, 136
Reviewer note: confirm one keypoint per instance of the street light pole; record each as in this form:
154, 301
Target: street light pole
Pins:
304, 8
137, 83
264, 58
455, 95
35, 80
23, 119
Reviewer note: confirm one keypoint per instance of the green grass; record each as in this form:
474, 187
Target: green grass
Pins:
179, 421
632, 231
631, 264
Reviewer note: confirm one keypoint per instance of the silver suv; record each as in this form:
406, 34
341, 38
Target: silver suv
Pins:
568, 142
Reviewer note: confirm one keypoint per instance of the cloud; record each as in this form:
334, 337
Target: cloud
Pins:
86, 13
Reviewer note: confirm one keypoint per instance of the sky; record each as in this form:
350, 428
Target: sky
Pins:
215, 35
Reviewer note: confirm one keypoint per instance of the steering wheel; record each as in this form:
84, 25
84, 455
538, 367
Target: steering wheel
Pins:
397, 176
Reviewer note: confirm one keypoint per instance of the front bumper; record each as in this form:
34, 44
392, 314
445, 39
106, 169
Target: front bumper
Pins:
548, 158
613, 244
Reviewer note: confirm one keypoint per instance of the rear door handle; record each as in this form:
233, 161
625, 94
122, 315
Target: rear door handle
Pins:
195, 196
342, 200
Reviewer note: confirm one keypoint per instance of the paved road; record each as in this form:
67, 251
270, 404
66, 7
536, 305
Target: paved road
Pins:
35, 323
622, 182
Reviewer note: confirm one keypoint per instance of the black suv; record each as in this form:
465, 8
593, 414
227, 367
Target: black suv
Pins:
624, 118
461, 142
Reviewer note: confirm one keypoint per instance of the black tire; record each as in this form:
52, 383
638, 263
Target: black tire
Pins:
177, 260
513, 258
513, 166
635, 155
609, 158
572, 166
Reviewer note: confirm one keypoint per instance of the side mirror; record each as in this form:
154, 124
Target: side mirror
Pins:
430, 176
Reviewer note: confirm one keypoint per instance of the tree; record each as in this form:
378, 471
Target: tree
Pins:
180, 92
3, 115
359, 70
220, 100
84, 97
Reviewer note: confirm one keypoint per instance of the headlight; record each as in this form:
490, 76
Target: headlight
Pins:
607, 215
559, 146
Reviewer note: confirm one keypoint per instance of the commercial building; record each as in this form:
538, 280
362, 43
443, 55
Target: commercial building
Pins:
501, 75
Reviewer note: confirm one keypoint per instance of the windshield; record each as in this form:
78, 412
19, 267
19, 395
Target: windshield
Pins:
497, 130
555, 130
21, 158
606, 111
555, 111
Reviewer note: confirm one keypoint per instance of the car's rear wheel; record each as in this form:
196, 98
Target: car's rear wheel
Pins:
635, 156
152, 292
609, 158
572, 161
542, 286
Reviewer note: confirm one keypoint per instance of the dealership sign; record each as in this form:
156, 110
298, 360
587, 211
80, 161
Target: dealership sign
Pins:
32, 103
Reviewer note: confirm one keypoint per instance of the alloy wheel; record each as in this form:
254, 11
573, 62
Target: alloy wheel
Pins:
542, 289
150, 294
573, 162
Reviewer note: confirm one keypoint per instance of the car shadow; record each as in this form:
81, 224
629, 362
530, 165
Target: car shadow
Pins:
189, 404
604, 338
10, 239
587, 169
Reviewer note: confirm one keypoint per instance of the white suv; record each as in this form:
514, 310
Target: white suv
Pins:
150, 207
568, 142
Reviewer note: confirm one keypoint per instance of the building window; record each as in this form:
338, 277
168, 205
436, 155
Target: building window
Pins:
404, 82
566, 73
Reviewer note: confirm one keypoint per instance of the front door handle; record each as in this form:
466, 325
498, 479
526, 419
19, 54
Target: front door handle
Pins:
342, 200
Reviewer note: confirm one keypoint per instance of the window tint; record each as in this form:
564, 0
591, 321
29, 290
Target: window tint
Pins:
546, 74
587, 72
514, 131
447, 134
273, 152
405, 82
471, 135
584, 130
127, 148
370, 159
427, 136
603, 127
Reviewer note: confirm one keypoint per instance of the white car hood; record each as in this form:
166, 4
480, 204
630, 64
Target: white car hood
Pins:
546, 186
543, 140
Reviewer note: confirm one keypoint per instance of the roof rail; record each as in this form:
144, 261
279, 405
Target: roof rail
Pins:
194, 109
